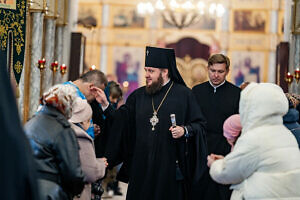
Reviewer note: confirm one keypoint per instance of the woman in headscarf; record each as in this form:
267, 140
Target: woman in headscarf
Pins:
232, 129
55, 146
113, 94
265, 161
93, 169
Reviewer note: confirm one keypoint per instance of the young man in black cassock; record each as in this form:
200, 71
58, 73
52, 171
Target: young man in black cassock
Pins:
165, 158
218, 100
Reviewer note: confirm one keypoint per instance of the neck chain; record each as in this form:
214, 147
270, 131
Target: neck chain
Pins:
154, 119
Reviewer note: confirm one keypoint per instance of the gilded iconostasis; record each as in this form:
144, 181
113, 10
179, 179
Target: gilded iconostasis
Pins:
248, 33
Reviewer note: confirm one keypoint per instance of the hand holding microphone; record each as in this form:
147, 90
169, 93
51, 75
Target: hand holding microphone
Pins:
177, 131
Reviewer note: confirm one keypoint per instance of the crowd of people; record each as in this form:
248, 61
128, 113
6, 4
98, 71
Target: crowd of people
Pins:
215, 141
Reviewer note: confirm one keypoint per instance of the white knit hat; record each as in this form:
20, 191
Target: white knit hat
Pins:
82, 111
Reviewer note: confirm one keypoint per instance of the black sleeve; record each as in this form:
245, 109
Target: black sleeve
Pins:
121, 138
196, 123
109, 111
236, 110
196, 143
97, 113
69, 162
113, 151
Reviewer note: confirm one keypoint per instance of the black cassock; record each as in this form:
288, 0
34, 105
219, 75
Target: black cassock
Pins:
17, 168
153, 153
216, 105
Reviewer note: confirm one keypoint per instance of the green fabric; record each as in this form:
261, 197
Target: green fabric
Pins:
13, 24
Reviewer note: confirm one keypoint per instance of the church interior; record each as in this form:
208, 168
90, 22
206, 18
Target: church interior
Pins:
45, 42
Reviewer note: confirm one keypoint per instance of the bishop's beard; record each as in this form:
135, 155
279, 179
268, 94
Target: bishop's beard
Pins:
155, 86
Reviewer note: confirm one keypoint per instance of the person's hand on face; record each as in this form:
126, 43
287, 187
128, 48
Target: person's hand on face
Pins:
177, 131
99, 96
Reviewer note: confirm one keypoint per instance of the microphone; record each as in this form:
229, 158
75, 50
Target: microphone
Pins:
173, 120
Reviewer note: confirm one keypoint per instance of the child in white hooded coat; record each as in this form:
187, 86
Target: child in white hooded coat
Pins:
265, 161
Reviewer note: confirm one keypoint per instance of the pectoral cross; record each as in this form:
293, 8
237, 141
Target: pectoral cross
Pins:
154, 120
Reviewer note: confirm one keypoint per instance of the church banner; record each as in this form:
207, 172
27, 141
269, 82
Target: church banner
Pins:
12, 36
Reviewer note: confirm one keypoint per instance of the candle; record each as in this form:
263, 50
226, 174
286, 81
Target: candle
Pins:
297, 74
41, 63
63, 69
93, 67
54, 66
289, 78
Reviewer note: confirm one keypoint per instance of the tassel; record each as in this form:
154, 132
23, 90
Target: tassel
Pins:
17, 91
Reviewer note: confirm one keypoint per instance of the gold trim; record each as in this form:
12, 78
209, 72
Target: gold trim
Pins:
35, 10
56, 9
66, 12
50, 17
278, 74
10, 47
294, 31
27, 68
60, 24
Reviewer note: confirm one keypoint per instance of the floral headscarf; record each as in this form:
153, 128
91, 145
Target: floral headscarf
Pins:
61, 97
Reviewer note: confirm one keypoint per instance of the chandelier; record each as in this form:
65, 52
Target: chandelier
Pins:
181, 13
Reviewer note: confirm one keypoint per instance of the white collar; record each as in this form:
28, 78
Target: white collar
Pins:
166, 82
215, 87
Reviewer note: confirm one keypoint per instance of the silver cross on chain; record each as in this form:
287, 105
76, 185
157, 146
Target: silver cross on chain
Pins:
154, 120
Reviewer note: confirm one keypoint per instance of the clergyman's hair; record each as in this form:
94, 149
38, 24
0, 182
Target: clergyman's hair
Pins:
94, 76
219, 58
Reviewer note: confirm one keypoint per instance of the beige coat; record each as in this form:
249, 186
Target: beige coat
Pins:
92, 167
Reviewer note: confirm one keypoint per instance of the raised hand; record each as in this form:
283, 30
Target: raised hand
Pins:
100, 96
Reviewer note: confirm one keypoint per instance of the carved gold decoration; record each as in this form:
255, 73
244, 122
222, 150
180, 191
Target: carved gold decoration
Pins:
36, 5
62, 12
51, 12
193, 71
